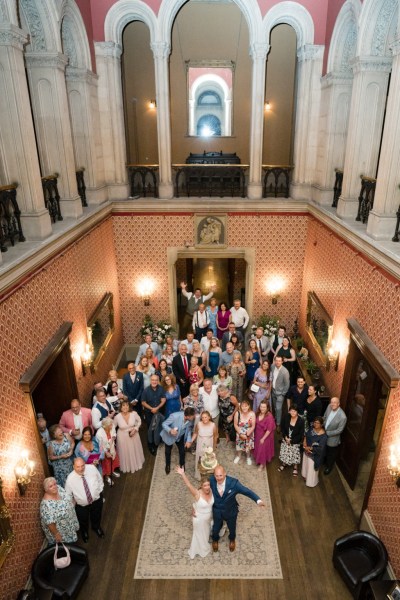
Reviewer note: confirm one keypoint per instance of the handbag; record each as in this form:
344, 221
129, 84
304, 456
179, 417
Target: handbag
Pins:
254, 388
62, 561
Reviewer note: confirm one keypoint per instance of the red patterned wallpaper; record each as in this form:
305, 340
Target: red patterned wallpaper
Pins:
349, 286
67, 289
279, 242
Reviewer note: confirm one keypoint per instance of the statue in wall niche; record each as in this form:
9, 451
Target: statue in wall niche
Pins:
210, 232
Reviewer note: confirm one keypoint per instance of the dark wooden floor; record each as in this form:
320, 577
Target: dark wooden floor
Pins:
307, 522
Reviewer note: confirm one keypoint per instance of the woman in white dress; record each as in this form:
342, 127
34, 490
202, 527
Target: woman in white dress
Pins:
202, 508
206, 434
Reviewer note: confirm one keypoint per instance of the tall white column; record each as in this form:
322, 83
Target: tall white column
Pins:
333, 124
46, 72
382, 218
84, 110
108, 62
309, 71
17, 139
258, 53
365, 128
161, 51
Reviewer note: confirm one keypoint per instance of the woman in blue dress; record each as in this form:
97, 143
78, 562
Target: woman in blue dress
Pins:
252, 361
172, 394
59, 452
212, 310
213, 356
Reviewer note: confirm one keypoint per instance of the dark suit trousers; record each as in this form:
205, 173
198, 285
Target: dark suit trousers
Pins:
93, 511
200, 332
331, 453
218, 522
181, 447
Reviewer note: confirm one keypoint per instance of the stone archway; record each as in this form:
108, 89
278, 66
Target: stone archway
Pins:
173, 253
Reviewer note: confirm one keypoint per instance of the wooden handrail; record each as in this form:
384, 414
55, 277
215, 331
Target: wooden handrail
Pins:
9, 187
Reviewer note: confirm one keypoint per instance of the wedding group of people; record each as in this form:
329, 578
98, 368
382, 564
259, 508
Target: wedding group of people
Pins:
187, 392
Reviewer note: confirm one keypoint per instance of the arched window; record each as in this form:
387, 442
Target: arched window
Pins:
209, 98
208, 125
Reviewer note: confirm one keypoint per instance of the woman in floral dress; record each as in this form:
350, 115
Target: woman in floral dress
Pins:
237, 370
57, 514
59, 452
244, 422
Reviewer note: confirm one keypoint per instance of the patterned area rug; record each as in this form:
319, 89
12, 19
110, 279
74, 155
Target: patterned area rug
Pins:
167, 530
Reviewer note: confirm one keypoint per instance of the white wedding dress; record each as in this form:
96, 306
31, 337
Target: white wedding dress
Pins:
201, 528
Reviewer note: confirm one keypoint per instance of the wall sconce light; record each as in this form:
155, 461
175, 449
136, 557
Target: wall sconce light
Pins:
333, 355
274, 288
267, 105
87, 360
394, 464
152, 104
146, 288
24, 470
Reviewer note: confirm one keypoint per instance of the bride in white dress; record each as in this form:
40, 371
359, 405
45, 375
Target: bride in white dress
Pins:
202, 507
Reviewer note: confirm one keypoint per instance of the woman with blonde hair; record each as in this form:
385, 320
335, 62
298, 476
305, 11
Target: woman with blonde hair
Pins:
212, 358
172, 395
206, 434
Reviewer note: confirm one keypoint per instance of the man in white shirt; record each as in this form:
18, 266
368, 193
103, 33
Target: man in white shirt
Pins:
239, 316
206, 340
102, 408
188, 342
194, 300
148, 343
210, 399
85, 484
201, 321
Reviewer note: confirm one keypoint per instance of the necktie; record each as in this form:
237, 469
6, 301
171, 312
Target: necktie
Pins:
87, 491
260, 346
185, 366
221, 490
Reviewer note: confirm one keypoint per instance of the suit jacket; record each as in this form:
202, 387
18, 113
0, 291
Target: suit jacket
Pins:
177, 367
142, 351
282, 383
227, 506
265, 344
335, 427
132, 389
176, 421
227, 337
67, 419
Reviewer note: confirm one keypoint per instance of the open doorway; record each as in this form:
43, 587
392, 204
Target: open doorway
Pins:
228, 274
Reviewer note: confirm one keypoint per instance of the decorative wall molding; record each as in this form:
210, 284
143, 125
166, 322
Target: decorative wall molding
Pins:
383, 26
10, 35
40, 60
124, 12
293, 14
79, 74
108, 49
336, 78
310, 52
69, 45
259, 51
161, 49
371, 63
343, 46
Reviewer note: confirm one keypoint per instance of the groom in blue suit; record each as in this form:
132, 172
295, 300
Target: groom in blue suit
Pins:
177, 430
226, 508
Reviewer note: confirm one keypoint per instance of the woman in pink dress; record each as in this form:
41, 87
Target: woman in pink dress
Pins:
223, 318
264, 436
130, 448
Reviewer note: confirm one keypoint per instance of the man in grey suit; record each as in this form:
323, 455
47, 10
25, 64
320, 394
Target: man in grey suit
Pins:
263, 344
335, 421
280, 385
177, 430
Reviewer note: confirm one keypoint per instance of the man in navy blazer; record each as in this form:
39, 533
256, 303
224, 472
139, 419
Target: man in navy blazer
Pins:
225, 507
132, 386
177, 430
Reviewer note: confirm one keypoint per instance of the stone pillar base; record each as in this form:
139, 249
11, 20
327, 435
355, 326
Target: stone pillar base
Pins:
165, 191
118, 191
36, 226
322, 196
300, 191
71, 207
254, 191
347, 208
381, 227
96, 196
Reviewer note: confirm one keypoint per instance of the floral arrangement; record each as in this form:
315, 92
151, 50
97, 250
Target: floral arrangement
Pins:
269, 324
158, 331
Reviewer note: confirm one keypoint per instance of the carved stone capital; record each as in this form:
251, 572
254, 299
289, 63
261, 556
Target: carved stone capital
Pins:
336, 78
259, 51
310, 52
81, 74
371, 63
161, 49
10, 35
55, 60
108, 49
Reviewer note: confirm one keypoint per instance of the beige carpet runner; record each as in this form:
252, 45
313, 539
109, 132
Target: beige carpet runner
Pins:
167, 529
